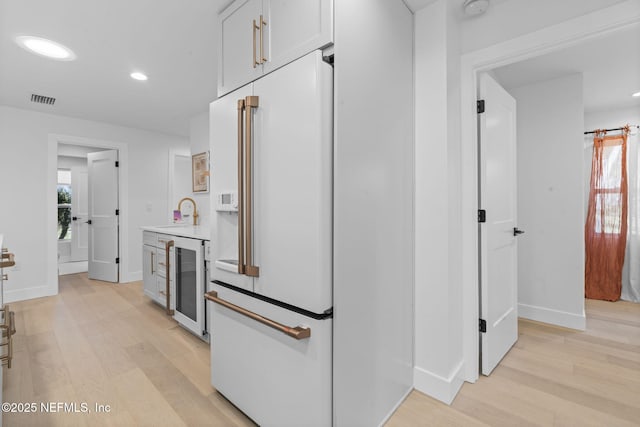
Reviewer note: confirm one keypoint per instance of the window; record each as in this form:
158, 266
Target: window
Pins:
64, 204
608, 192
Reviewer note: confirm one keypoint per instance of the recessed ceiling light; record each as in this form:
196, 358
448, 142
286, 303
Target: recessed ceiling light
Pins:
637, 94
47, 48
138, 76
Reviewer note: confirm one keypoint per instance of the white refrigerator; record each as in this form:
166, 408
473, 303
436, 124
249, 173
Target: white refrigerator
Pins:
271, 294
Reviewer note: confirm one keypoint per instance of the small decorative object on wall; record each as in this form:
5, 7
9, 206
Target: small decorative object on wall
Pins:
200, 172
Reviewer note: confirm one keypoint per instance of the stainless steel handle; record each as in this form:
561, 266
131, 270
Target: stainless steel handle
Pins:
152, 270
167, 256
255, 27
296, 332
250, 103
263, 23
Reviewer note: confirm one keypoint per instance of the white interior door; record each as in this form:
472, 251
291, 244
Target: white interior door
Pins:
103, 217
79, 213
498, 249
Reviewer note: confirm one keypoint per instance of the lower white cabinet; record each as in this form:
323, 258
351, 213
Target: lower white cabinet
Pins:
154, 271
149, 269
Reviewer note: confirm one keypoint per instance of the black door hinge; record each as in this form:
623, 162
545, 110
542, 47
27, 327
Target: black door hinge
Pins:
117, 164
482, 215
480, 106
329, 59
117, 211
482, 325
117, 260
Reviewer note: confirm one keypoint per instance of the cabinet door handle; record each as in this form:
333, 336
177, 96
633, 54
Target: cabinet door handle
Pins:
263, 23
255, 27
152, 270
167, 247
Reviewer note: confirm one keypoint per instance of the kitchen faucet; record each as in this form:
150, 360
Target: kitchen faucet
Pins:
195, 210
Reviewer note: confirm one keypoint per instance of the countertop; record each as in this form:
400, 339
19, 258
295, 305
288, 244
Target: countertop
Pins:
182, 230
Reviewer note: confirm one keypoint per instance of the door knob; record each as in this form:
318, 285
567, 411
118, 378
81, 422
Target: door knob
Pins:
516, 231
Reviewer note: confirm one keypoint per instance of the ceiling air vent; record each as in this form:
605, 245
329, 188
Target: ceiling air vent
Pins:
42, 99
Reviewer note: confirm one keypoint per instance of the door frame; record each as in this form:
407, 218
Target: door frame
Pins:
123, 202
541, 42
173, 154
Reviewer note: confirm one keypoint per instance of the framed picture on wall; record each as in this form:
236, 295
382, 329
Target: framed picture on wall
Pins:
200, 172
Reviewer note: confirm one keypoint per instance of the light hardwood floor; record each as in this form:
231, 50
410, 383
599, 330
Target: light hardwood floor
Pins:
100, 343
551, 377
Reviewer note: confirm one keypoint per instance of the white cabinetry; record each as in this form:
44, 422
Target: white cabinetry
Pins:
154, 276
259, 36
149, 269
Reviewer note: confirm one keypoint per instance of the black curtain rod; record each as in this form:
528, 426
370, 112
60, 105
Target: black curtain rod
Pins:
613, 130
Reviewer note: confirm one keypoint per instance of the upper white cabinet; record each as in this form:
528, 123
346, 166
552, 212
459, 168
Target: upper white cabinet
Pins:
238, 62
259, 36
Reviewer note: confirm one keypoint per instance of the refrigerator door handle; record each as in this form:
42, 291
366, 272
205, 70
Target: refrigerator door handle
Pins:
296, 332
241, 107
250, 103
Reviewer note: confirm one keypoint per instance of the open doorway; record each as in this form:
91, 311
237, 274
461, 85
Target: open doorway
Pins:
551, 171
101, 222
73, 208
560, 96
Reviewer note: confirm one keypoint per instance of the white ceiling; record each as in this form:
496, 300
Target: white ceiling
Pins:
174, 42
610, 65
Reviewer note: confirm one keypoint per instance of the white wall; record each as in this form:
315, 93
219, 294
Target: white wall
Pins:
438, 299
199, 141
66, 162
610, 119
373, 210
513, 18
23, 164
550, 119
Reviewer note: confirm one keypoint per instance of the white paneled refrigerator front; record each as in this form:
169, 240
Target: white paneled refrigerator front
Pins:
272, 149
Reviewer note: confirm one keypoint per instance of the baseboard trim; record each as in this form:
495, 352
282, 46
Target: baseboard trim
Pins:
132, 277
553, 317
436, 386
65, 268
28, 293
396, 406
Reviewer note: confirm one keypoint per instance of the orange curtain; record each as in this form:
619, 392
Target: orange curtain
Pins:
606, 226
